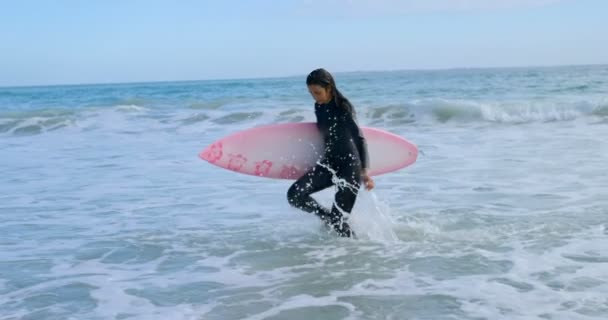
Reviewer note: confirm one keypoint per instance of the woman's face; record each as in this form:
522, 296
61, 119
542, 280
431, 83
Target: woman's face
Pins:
320, 94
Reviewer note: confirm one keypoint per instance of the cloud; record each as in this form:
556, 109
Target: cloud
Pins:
396, 7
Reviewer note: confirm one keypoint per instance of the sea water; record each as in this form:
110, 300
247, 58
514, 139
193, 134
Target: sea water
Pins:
106, 212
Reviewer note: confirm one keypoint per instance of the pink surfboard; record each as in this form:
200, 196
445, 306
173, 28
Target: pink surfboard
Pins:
287, 151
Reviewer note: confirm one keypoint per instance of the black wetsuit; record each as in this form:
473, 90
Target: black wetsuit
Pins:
346, 154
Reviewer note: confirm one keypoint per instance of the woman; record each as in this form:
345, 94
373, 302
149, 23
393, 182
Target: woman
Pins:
345, 156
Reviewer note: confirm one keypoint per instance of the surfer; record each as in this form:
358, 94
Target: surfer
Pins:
345, 160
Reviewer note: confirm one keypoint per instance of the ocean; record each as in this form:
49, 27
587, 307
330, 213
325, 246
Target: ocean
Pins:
106, 211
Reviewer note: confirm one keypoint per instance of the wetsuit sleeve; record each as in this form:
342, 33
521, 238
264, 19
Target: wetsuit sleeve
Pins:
359, 140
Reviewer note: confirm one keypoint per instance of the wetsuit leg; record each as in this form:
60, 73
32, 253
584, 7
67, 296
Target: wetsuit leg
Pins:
298, 195
319, 178
345, 198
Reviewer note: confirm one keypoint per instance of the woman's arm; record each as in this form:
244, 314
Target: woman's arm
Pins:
360, 142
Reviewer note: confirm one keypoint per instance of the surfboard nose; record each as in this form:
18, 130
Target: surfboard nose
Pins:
212, 153
204, 154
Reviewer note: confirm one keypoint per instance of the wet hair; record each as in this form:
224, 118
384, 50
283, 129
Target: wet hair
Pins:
323, 78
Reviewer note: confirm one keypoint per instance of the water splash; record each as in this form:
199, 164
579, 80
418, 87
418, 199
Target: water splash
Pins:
370, 218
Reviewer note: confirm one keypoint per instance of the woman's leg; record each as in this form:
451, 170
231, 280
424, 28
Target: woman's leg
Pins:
299, 194
345, 198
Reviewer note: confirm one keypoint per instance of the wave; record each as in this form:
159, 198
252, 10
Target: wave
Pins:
32, 122
442, 111
131, 117
601, 111
234, 117
130, 108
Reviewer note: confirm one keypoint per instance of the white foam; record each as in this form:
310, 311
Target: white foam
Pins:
301, 301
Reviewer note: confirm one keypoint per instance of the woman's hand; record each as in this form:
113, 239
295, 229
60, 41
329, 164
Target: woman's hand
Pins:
367, 180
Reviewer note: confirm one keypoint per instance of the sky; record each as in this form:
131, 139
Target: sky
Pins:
112, 41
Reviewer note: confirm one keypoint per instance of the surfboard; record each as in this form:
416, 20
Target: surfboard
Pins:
288, 150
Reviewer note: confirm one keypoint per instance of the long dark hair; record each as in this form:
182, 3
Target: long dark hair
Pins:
323, 78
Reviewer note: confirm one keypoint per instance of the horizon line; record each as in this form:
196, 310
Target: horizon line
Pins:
298, 75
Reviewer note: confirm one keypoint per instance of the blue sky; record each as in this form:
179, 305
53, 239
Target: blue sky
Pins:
73, 41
